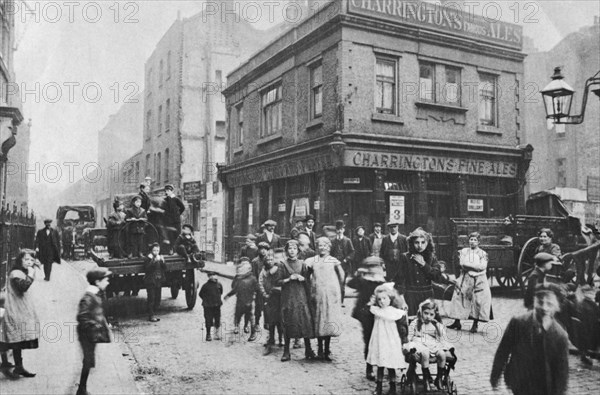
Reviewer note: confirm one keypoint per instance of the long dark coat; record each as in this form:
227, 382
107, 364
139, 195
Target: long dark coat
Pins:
362, 249
48, 245
173, 207
391, 254
534, 361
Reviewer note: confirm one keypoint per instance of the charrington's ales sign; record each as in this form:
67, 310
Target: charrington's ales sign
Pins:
437, 17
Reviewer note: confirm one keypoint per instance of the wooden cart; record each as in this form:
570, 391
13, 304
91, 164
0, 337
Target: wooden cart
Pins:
128, 275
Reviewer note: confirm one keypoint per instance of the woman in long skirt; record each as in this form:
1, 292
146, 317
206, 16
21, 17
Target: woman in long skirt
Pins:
327, 278
296, 317
472, 296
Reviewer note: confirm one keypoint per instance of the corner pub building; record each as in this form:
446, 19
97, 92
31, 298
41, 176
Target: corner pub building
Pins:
376, 109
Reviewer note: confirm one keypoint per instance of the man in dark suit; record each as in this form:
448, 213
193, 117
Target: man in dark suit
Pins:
343, 250
48, 247
270, 236
534, 350
173, 208
392, 247
309, 224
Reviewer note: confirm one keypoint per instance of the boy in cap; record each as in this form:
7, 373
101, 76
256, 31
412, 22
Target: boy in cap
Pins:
257, 266
186, 245
211, 293
343, 250
92, 326
269, 235
250, 250
534, 350
155, 273
543, 264
136, 216
244, 286
173, 208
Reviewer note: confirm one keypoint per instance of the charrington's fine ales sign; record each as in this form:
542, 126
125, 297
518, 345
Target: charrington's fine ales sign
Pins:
430, 163
437, 17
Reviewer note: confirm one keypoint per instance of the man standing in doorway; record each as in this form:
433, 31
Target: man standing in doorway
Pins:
392, 246
173, 208
343, 250
47, 247
270, 236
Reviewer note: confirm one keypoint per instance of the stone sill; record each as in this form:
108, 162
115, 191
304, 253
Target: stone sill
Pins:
389, 118
314, 123
238, 150
270, 138
488, 130
441, 106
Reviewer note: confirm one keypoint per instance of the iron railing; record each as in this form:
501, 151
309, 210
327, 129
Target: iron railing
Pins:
17, 231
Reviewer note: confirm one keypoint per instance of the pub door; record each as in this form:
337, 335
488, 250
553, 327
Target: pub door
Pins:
354, 209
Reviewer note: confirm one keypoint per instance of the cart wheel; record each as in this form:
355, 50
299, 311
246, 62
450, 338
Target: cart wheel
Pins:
191, 288
174, 291
526, 265
506, 278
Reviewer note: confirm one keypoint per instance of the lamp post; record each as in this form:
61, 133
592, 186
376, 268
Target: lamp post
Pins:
558, 97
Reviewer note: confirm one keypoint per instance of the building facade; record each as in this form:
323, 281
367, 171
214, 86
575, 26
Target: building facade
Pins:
408, 111
565, 159
184, 114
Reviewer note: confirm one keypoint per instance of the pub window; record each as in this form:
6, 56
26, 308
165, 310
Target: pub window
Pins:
487, 100
385, 94
316, 91
159, 120
427, 82
240, 128
561, 172
271, 110
167, 115
166, 165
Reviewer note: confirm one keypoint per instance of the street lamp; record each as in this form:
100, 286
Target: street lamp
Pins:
558, 97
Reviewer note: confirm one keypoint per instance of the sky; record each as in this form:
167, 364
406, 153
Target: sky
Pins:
80, 61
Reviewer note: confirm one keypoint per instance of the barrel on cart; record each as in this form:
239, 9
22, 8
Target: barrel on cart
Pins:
128, 275
512, 242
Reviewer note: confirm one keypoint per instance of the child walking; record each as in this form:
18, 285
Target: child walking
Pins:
385, 345
427, 336
155, 273
210, 293
92, 326
245, 286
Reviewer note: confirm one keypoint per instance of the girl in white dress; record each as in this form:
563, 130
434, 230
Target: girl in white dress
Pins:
385, 346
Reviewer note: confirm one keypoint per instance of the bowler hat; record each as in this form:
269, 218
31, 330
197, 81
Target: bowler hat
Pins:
270, 222
309, 217
97, 274
339, 224
169, 187
543, 257
393, 223
190, 227
48, 221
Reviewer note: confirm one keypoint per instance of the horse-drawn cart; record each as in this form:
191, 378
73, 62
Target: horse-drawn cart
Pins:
128, 275
512, 242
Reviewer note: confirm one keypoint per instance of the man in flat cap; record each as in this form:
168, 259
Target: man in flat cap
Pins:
270, 236
543, 264
376, 238
173, 208
48, 247
392, 247
343, 250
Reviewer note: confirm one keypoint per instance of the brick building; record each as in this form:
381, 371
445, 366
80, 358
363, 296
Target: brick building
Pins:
184, 113
565, 159
362, 113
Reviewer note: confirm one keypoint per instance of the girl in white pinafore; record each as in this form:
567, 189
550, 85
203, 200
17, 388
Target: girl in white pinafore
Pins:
385, 346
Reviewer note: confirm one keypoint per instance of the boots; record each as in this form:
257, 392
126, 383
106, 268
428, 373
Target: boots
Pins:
379, 388
208, 337
20, 371
217, 330
474, 327
252, 333
439, 379
456, 325
370, 374
392, 390
427, 379
308, 352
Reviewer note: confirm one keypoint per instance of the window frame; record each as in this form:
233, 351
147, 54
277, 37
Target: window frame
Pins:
159, 120
494, 122
431, 66
167, 115
386, 80
315, 90
166, 173
276, 103
158, 167
239, 131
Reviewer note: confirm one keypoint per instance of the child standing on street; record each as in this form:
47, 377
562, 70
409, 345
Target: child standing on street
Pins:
92, 326
5, 363
210, 293
155, 271
426, 336
271, 293
385, 345
137, 218
245, 286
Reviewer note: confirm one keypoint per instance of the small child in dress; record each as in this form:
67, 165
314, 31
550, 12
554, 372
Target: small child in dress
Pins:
244, 286
385, 345
427, 337
210, 293
5, 363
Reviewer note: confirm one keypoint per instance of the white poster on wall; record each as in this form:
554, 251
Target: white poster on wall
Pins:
397, 209
475, 205
250, 209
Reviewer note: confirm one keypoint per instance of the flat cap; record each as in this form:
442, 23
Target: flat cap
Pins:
270, 222
309, 217
393, 223
169, 187
264, 244
97, 274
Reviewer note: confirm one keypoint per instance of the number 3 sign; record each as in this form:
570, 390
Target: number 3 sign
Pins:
397, 208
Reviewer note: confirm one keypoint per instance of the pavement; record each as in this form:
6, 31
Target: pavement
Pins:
172, 356
58, 359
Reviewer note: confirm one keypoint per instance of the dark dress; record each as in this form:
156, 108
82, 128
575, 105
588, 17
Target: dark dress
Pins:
414, 281
295, 308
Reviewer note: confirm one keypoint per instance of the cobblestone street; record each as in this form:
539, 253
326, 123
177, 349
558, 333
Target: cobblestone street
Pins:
171, 356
